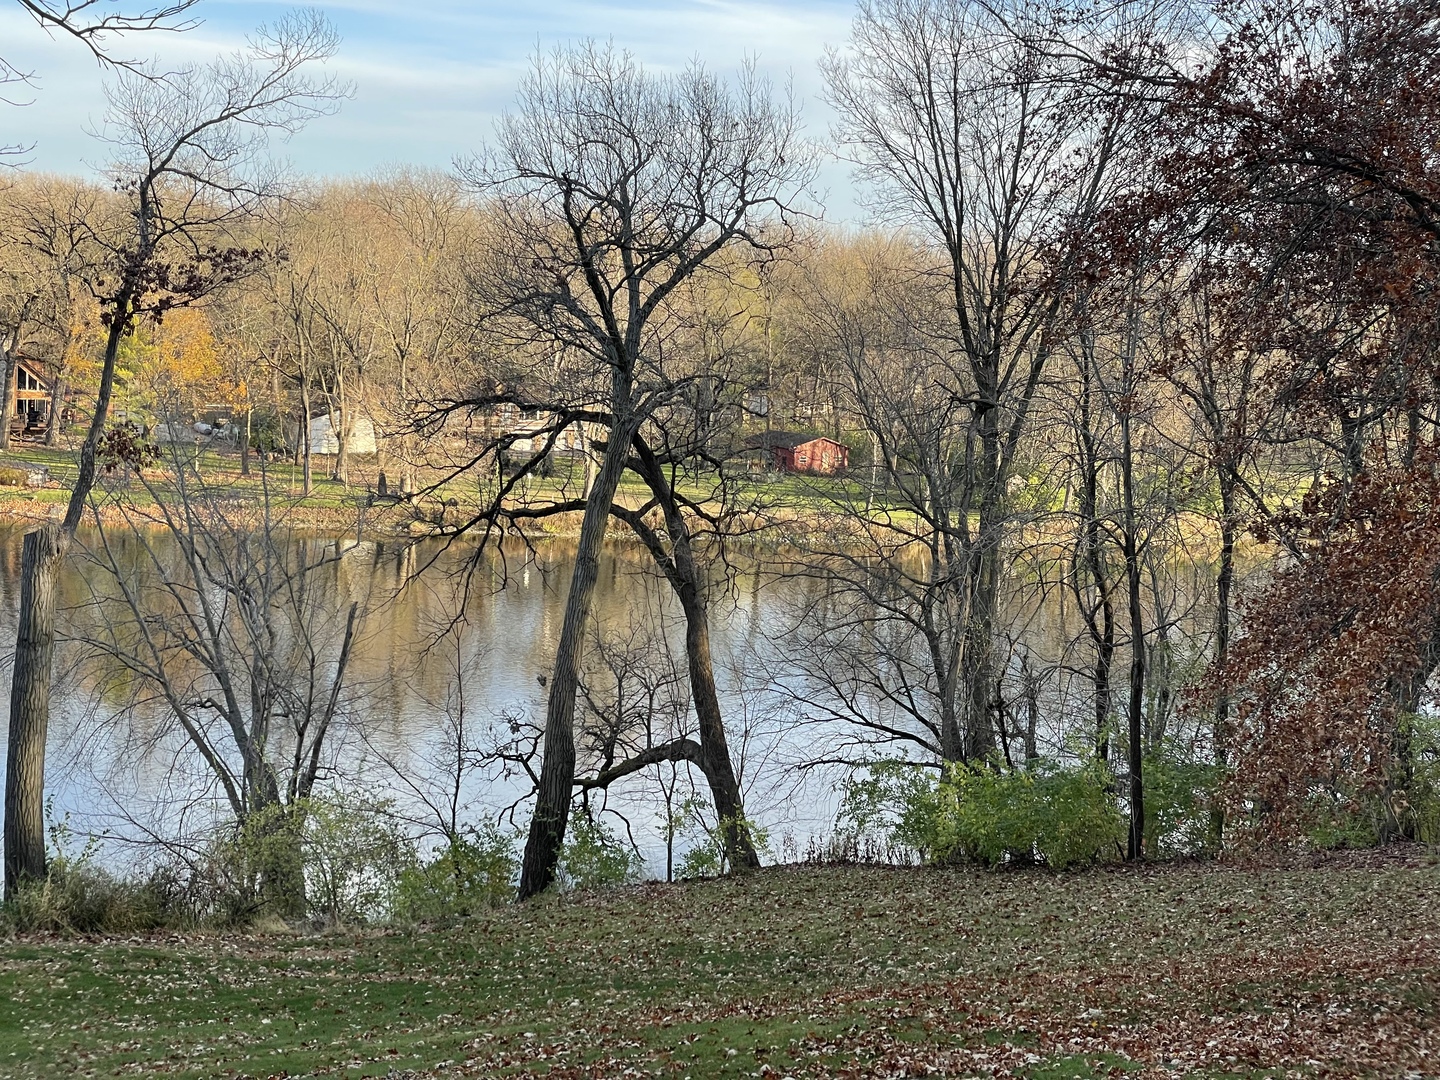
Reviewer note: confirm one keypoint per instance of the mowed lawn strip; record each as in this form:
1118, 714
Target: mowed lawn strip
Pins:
797, 971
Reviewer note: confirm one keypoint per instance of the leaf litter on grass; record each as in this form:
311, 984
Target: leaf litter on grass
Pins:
1186, 970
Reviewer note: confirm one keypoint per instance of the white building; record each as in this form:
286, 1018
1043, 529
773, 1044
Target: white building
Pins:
324, 439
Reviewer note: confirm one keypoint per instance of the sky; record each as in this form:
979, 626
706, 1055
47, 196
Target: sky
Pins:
430, 76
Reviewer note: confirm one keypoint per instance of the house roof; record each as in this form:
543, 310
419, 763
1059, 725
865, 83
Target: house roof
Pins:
785, 440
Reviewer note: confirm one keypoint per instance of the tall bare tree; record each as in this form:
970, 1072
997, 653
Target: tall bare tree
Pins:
88, 22
608, 188
971, 133
191, 165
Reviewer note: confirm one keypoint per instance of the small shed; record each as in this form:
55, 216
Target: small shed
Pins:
325, 439
796, 451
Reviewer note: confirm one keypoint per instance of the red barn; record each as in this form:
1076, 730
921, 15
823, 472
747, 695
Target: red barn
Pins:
793, 451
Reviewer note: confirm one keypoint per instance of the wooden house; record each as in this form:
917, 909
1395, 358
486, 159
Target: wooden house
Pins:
794, 451
29, 398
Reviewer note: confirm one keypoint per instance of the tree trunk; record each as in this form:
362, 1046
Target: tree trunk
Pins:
984, 575
1224, 582
719, 770
557, 767
979, 654
245, 443
55, 422
685, 577
309, 476
44, 550
1136, 846
341, 413
7, 390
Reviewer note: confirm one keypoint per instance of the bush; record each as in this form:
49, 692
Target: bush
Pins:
1058, 815
476, 870
80, 897
354, 855
1423, 793
892, 808
705, 855
1179, 797
323, 858
593, 857
10, 477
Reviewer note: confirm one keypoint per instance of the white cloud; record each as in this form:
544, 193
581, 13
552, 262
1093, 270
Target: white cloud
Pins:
431, 77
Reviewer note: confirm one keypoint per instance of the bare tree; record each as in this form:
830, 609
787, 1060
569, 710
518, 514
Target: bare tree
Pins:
190, 164
608, 188
91, 24
239, 635
973, 134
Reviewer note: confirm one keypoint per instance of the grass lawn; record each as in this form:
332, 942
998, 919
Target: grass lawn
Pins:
1190, 970
338, 506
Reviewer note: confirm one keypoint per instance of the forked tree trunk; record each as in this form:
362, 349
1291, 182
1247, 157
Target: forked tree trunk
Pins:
557, 767
43, 552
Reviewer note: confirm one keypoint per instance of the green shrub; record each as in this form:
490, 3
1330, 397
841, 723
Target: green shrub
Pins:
1423, 793
353, 856
706, 855
10, 477
1179, 796
325, 858
893, 807
1338, 820
476, 870
257, 867
593, 857
1058, 815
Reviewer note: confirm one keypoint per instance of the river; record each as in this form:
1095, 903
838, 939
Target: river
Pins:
454, 636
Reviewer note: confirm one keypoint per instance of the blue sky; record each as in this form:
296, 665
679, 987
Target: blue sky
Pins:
430, 77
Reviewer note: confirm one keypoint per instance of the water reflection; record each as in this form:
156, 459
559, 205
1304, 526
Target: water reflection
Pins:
452, 634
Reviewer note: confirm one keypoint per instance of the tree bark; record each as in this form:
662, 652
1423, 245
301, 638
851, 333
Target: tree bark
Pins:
684, 574
44, 550
309, 477
1224, 583
55, 422
245, 443
1136, 847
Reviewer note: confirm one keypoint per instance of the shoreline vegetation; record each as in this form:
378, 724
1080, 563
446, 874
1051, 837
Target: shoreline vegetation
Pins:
797, 508
1325, 965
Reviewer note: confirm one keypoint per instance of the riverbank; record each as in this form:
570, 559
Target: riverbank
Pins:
35, 483
1179, 970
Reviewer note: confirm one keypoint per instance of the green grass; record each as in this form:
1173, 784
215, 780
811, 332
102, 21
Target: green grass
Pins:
1186, 970
339, 505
